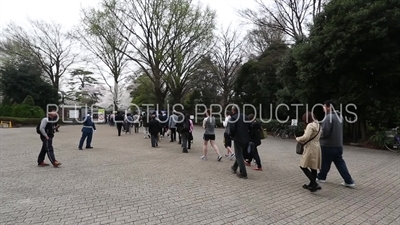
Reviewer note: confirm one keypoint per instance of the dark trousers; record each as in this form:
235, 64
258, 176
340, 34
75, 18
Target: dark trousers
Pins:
253, 154
239, 148
190, 139
154, 140
128, 128
162, 130
179, 137
47, 148
335, 155
119, 128
173, 134
89, 137
136, 125
311, 175
185, 141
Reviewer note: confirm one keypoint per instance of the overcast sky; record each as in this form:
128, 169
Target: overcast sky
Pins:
66, 12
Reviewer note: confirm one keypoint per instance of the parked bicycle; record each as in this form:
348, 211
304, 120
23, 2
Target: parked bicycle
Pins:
284, 131
288, 132
276, 131
392, 140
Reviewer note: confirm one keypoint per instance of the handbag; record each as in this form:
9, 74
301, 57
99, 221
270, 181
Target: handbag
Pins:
300, 147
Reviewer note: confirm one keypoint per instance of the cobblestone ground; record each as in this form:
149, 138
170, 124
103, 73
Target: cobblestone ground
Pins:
125, 181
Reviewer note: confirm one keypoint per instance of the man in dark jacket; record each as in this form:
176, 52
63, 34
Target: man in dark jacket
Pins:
181, 118
184, 132
119, 120
46, 129
154, 129
255, 140
87, 132
239, 131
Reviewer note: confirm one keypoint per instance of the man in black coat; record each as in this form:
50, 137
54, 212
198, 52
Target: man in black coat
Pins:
119, 120
154, 129
239, 131
255, 141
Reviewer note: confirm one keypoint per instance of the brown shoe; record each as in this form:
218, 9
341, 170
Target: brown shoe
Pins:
43, 164
247, 163
258, 168
56, 164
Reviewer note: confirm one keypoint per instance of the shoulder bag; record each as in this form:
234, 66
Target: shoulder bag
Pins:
300, 147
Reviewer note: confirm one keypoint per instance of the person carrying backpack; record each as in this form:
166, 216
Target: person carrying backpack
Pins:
46, 131
184, 132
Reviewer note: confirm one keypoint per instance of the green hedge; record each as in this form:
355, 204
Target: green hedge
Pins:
22, 121
21, 111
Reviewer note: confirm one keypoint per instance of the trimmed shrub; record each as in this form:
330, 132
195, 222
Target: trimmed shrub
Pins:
28, 101
6, 110
26, 111
22, 121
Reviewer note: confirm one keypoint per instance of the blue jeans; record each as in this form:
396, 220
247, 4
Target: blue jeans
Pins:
335, 155
154, 140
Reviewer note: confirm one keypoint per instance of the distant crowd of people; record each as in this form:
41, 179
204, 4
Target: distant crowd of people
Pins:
323, 143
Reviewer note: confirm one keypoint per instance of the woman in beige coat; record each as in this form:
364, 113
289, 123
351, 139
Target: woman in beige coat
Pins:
311, 159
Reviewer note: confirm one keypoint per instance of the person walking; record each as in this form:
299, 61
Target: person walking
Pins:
227, 137
128, 123
311, 159
136, 122
332, 145
87, 132
146, 120
154, 129
190, 140
209, 135
172, 126
184, 131
255, 141
46, 131
239, 131
119, 120
181, 118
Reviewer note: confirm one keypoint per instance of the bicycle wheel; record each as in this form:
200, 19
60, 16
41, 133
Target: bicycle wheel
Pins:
276, 133
392, 145
285, 134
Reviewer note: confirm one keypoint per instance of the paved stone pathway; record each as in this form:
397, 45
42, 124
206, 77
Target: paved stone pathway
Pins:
125, 181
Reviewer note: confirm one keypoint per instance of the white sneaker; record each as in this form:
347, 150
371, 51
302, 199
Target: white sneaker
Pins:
203, 157
321, 181
348, 185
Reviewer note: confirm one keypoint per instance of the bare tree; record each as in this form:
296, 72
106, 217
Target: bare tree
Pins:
225, 61
147, 26
287, 16
259, 39
102, 33
46, 42
191, 38
167, 37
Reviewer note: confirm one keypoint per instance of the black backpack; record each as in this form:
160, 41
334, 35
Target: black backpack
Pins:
185, 126
38, 129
